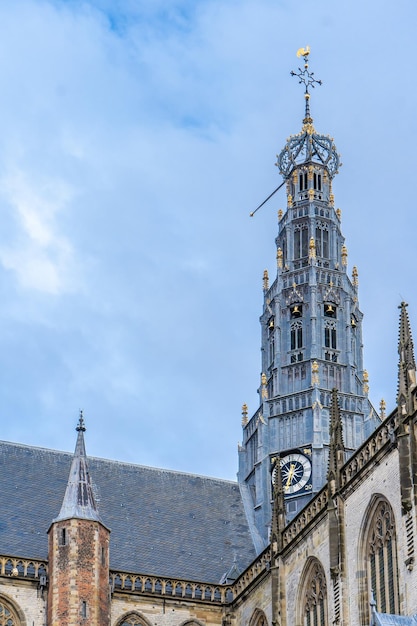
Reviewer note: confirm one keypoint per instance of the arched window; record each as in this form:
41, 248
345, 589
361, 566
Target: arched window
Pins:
300, 241
322, 240
296, 336
8, 616
313, 595
258, 618
132, 619
382, 559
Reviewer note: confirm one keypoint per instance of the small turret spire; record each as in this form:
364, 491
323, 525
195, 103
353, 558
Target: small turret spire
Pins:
278, 509
407, 364
336, 448
79, 501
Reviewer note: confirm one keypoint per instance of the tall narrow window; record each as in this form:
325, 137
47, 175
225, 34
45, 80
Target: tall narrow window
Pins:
296, 336
382, 559
322, 241
330, 335
300, 241
317, 181
314, 596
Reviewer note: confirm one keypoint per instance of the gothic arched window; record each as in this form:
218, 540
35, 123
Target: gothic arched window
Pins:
133, 619
7, 615
313, 595
258, 618
322, 240
300, 241
296, 336
381, 557
330, 335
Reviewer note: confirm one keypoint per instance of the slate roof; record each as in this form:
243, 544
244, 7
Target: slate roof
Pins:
385, 619
162, 522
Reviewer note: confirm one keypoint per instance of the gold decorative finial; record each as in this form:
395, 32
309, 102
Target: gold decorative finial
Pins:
365, 382
264, 382
303, 52
339, 214
279, 258
266, 280
312, 249
315, 380
382, 407
289, 200
280, 214
344, 255
244, 414
355, 275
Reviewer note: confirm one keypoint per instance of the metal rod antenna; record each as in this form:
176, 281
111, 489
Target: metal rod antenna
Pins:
266, 200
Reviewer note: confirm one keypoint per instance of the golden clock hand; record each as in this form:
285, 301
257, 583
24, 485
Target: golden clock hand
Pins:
290, 475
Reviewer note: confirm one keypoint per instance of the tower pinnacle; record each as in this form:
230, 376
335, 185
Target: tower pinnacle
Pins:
79, 499
306, 78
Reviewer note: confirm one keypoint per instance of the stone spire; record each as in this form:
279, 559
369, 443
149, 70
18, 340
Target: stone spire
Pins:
336, 447
79, 499
407, 364
278, 509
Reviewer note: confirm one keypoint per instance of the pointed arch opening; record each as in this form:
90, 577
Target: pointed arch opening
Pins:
133, 619
378, 560
258, 618
10, 615
312, 595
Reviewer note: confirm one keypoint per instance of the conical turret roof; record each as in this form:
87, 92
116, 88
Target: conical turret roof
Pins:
79, 501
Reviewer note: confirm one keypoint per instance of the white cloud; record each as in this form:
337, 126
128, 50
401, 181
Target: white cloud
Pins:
39, 254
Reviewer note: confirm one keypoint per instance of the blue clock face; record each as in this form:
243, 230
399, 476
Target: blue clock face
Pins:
296, 473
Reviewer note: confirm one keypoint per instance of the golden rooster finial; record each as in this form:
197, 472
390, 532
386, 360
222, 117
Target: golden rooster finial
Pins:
303, 52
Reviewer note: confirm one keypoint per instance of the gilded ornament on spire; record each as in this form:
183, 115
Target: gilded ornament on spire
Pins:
315, 380
311, 194
339, 214
308, 145
365, 382
279, 258
265, 280
312, 248
344, 255
280, 214
244, 414
355, 276
382, 407
264, 382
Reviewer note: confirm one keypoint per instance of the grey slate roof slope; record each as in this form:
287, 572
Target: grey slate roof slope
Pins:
162, 522
386, 619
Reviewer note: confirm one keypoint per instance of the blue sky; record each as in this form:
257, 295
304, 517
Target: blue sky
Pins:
135, 138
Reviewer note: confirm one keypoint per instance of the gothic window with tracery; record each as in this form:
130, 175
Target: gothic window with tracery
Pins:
132, 620
330, 335
258, 619
296, 335
382, 559
7, 615
322, 240
301, 241
315, 598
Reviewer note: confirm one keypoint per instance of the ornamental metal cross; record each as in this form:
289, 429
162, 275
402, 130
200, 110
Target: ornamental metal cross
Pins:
304, 75
307, 78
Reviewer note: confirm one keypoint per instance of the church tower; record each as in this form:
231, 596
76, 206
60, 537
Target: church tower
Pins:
311, 336
78, 591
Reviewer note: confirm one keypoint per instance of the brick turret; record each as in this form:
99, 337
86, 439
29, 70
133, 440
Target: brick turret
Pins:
78, 552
